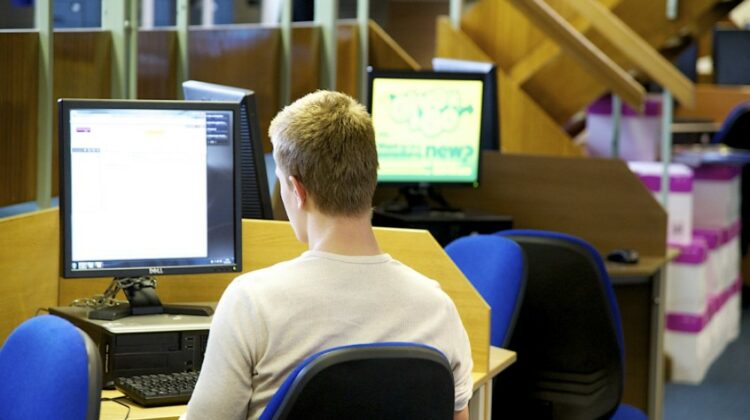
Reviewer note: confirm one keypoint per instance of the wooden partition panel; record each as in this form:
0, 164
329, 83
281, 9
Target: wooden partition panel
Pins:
599, 200
385, 53
19, 63
715, 102
245, 56
267, 242
157, 64
29, 267
305, 59
82, 69
347, 58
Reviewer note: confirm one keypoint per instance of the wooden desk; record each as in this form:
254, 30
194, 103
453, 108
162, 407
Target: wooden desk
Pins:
479, 406
695, 127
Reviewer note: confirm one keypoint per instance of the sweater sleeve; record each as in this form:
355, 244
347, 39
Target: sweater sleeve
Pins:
461, 362
224, 387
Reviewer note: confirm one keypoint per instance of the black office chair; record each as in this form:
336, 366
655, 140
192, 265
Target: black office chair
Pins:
50, 370
735, 133
568, 336
367, 381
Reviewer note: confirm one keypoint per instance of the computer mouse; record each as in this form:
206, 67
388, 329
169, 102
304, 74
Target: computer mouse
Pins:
624, 256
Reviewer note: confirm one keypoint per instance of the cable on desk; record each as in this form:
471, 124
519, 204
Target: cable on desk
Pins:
117, 400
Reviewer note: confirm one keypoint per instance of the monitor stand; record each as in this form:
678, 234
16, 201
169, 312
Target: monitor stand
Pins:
142, 300
419, 200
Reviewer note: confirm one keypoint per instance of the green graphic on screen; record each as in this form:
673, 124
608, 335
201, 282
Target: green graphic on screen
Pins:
427, 130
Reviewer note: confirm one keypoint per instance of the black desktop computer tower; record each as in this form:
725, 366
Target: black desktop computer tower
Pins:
143, 344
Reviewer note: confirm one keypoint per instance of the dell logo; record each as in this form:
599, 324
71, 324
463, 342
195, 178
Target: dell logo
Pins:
155, 270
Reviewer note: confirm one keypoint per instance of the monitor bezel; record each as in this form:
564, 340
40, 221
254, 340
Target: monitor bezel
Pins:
64, 108
374, 73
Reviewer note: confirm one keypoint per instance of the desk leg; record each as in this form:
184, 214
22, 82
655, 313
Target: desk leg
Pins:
656, 365
642, 311
479, 403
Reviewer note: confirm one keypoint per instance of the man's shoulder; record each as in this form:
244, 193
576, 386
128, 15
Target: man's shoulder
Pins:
416, 275
274, 272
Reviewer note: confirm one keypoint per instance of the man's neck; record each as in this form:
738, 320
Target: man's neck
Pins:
342, 235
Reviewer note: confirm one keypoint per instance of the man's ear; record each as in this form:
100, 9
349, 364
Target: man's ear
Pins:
300, 193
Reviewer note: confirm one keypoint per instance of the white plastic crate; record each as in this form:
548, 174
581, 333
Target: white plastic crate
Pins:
679, 200
716, 194
640, 133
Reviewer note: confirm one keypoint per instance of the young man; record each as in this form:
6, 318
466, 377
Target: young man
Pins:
344, 290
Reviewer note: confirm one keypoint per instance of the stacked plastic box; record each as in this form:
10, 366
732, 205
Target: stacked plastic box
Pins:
702, 298
640, 133
703, 282
717, 207
679, 200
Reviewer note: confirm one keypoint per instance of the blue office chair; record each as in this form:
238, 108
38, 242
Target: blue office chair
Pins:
50, 370
496, 267
367, 381
568, 335
735, 129
735, 133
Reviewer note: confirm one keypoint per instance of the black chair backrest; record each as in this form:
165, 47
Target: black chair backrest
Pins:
568, 335
378, 381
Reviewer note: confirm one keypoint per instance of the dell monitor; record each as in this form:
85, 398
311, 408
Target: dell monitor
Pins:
256, 200
428, 131
147, 188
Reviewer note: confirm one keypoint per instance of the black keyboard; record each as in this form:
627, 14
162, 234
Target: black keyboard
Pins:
159, 389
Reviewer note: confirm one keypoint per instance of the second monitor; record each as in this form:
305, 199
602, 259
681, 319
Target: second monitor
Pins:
256, 200
428, 131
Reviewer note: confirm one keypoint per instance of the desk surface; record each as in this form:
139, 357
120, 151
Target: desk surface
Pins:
647, 266
695, 127
499, 360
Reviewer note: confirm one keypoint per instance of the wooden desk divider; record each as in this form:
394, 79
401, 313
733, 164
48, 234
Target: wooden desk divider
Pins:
599, 200
29, 267
30, 271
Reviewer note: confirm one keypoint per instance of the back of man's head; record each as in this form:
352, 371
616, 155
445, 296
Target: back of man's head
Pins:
326, 140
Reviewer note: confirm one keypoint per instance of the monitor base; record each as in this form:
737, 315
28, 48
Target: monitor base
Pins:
142, 300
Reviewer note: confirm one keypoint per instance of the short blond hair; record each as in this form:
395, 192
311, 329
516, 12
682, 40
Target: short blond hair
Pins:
326, 140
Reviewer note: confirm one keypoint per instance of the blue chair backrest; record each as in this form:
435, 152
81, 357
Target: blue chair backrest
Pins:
367, 381
568, 334
496, 267
50, 370
735, 130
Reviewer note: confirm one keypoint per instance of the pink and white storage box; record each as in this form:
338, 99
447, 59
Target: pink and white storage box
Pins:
688, 279
688, 337
714, 238
640, 133
722, 286
702, 309
679, 200
688, 343
716, 196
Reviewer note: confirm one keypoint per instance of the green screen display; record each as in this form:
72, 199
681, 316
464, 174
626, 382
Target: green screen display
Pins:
427, 130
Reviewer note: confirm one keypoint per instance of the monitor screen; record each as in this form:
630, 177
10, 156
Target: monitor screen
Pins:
149, 187
490, 114
256, 199
428, 126
731, 63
